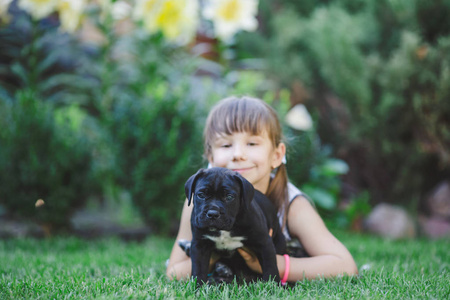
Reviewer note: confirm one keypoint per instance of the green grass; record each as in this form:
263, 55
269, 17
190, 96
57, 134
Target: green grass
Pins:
111, 269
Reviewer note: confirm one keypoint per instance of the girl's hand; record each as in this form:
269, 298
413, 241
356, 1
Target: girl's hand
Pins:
251, 260
212, 261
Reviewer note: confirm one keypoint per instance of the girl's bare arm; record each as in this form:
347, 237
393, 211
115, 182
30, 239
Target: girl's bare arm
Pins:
179, 263
329, 257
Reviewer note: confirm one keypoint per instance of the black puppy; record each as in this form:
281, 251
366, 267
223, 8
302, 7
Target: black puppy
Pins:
225, 218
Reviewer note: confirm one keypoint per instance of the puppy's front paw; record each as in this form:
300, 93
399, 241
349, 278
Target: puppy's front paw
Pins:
186, 246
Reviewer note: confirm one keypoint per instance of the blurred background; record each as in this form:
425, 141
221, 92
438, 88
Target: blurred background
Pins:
102, 106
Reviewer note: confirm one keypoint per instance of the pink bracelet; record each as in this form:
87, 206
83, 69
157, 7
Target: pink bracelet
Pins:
286, 269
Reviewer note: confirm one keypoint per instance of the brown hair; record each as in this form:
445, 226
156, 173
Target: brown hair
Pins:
247, 114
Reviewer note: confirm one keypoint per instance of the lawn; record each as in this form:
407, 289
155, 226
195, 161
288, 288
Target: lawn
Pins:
111, 269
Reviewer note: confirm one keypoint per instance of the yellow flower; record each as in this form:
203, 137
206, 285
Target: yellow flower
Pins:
231, 16
70, 13
147, 11
38, 9
176, 19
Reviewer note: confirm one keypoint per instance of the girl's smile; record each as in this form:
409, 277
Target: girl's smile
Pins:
242, 170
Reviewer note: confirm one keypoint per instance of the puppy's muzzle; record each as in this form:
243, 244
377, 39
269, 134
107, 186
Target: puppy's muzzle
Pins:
212, 214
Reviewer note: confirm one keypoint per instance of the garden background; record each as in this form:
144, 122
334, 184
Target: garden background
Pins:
103, 102
102, 106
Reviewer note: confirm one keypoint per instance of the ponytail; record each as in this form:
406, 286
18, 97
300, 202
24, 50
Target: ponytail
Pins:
278, 194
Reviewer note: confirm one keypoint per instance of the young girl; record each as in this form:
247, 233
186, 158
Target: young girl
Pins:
244, 135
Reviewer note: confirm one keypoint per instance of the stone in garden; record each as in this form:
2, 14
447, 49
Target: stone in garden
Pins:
390, 222
436, 223
10, 228
438, 202
434, 227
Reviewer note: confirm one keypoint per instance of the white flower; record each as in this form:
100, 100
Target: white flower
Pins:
231, 16
176, 19
38, 9
4, 5
70, 13
299, 118
105, 8
120, 10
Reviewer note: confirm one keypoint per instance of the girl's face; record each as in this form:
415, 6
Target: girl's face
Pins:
253, 156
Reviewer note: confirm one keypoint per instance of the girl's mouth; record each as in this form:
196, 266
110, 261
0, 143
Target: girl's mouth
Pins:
241, 170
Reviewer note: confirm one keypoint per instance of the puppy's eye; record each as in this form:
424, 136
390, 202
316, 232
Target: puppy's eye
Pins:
201, 195
229, 197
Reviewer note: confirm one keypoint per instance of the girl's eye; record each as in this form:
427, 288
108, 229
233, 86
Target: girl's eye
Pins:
252, 144
226, 146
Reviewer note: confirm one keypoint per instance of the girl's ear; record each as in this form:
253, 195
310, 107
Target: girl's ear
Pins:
279, 153
210, 161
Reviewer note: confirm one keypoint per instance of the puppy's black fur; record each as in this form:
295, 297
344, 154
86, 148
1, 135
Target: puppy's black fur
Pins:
228, 214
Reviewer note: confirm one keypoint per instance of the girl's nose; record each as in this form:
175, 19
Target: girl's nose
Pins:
239, 153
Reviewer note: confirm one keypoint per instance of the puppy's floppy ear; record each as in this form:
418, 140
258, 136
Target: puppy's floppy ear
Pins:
247, 191
189, 186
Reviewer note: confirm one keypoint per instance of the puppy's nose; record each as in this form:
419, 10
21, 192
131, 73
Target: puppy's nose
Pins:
212, 214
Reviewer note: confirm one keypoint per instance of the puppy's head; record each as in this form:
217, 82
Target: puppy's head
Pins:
218, 195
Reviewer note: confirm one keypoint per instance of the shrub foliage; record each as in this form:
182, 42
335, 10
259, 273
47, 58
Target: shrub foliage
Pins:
126, 110
158, 144
377, 74
42, 157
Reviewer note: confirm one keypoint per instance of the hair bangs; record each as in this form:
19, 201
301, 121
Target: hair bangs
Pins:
240, 118
245, 114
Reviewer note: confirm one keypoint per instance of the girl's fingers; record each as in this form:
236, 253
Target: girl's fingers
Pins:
245, 255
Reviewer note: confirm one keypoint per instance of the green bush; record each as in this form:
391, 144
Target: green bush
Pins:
377, 73
158, 143
35, 56
43, 157
311, 165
